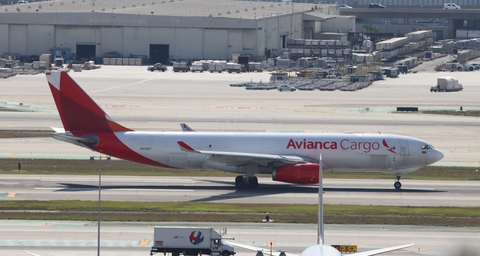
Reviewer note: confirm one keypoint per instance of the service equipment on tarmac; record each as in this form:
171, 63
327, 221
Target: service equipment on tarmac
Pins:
189, 241
157, 66
447, 84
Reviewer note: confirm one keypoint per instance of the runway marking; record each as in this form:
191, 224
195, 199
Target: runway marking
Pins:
144, 242
11, 194
470, 163
120, 86
13, 154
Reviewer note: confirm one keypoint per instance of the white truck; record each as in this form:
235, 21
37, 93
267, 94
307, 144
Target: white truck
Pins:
189, 241
447, 84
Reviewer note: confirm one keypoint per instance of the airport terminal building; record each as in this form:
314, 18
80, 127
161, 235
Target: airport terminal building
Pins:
159, 30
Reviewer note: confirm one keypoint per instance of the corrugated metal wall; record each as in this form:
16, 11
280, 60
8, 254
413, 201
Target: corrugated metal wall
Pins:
432, 3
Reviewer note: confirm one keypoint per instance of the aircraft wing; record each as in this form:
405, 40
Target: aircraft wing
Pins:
378, 251
263, 250
238, 158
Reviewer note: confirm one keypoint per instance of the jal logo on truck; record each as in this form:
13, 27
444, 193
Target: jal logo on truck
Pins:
196, 237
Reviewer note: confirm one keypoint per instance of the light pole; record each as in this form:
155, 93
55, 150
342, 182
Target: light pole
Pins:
92, 159
386, 23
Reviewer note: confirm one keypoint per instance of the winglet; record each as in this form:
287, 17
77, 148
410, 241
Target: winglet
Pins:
186, 128
185, 147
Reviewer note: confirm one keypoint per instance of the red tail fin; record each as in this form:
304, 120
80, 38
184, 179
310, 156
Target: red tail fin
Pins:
79, 113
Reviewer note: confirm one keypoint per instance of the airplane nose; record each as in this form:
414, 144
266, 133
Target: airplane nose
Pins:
439, 156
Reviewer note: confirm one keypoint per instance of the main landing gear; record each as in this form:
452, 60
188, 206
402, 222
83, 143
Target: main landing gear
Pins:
243, 182
397, 183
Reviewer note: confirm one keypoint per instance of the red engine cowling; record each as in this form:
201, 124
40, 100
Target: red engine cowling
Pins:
297, 173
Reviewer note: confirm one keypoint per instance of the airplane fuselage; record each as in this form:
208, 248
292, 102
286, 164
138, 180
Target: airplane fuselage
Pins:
342, 152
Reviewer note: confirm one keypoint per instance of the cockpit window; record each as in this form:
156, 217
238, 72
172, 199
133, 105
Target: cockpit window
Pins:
427, 147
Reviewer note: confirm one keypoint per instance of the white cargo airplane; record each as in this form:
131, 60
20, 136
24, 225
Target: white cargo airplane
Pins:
289, 157
320, 249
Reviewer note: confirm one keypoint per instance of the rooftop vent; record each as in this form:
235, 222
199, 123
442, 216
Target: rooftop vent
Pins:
103, 9
254, 8
39, 6
143, 4
228, 12
92, 11
219, 14
153, 3
210, 16
246, 9
61, 3
123, 7
262, 7
237, 11
133, 5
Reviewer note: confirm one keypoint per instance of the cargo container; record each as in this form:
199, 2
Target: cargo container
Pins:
180, 66
189, 241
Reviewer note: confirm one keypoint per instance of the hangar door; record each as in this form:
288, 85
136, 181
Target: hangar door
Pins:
159, 53
85, 52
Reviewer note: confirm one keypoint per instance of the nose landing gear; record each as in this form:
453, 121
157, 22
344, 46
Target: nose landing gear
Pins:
397, 183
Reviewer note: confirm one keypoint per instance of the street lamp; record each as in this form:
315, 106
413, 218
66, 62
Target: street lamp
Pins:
386, 23
92, 159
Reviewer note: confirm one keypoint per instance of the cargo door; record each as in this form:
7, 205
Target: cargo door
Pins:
404, 148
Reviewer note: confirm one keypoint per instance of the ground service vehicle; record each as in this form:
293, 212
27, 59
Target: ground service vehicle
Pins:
235, 68
189, 241
286, 87
376, 5
447, 84
157, 66
451, 6
180, 66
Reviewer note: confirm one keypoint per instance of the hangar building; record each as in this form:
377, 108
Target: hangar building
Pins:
159, 30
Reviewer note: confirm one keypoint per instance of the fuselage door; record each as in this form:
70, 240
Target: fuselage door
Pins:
404, 148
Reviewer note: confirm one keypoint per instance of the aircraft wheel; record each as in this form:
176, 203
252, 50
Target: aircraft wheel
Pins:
397, 184
253, 182
240, 182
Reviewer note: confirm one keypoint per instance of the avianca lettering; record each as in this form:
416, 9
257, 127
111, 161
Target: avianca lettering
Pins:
304, 144
345, 144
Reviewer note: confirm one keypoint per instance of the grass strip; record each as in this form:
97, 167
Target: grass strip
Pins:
120, 167
474, 113
216, 212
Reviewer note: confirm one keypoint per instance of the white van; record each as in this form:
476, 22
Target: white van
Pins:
451, 6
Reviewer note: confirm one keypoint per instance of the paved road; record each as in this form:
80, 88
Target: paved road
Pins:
222, 190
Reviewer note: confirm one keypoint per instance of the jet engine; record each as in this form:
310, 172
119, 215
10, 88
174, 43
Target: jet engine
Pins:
297, 173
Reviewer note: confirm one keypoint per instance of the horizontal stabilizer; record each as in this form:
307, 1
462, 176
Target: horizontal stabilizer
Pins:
88, 140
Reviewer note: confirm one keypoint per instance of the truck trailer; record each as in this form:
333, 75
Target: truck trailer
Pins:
447, 84
189, 241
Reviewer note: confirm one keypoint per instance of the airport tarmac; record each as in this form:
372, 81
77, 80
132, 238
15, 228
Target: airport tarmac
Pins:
47, 238
222, 190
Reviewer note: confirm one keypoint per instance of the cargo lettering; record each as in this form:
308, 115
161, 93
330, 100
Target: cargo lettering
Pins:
353, 145
304, 144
